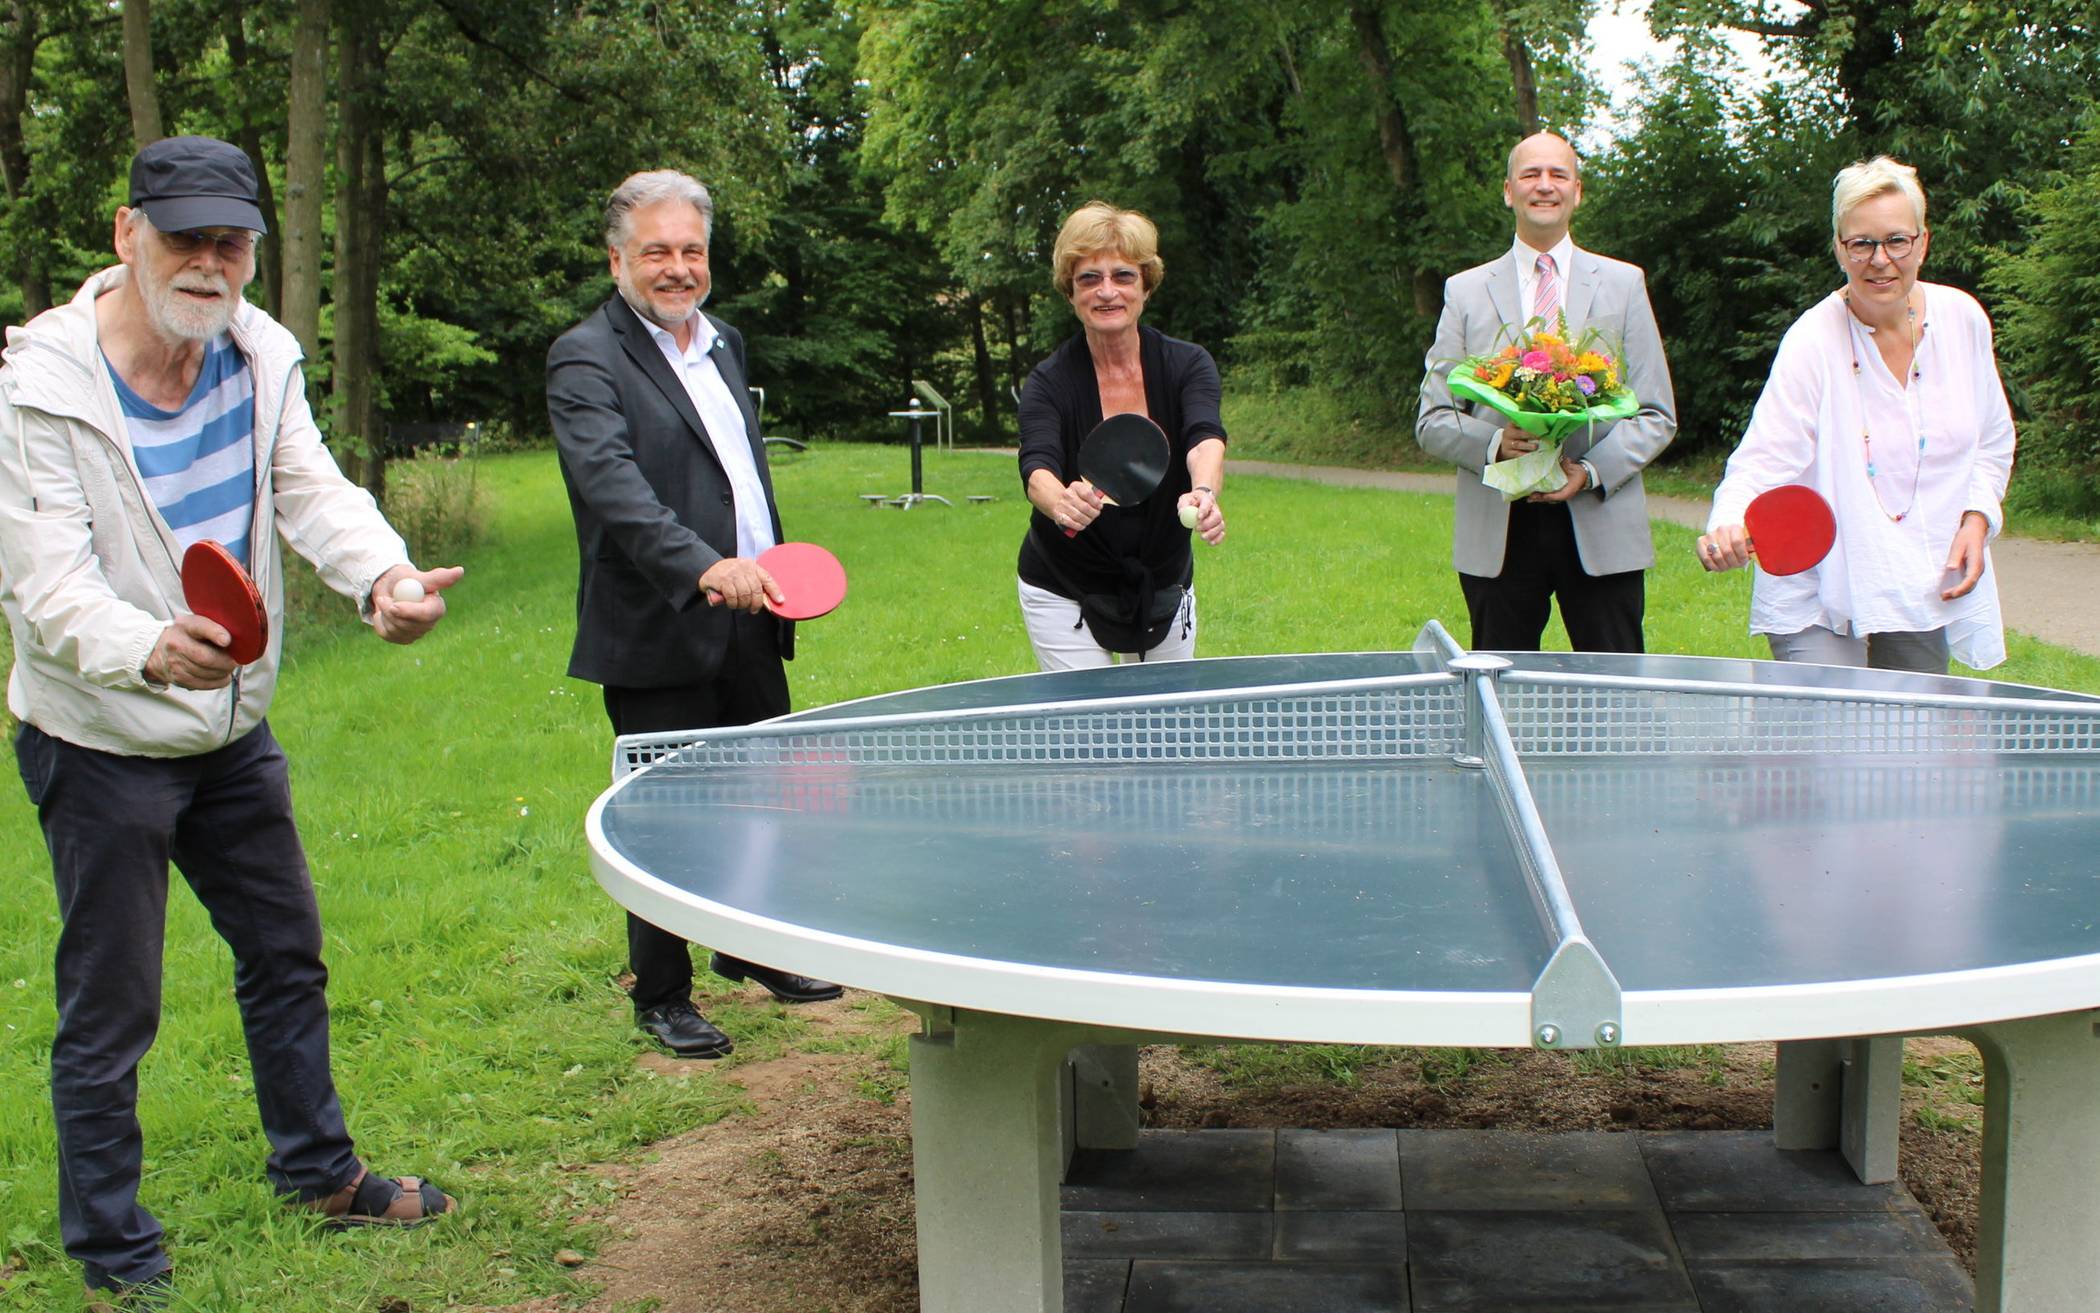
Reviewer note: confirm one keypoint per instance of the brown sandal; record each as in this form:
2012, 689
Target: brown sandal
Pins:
382, 1201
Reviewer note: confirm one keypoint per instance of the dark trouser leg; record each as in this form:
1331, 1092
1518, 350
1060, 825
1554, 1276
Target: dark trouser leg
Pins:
1603, 612
1509, 610
106, 822
751, 686
239, 849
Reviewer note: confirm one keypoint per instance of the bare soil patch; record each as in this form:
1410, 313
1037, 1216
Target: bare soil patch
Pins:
803, 1204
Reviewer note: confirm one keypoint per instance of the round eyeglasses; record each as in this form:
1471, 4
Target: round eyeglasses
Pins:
1859, 250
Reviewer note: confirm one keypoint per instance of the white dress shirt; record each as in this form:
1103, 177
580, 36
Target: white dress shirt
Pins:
1882, 575
724, 421
1527, 258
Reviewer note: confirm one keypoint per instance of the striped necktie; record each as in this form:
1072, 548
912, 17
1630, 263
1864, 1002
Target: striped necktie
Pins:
1545, 296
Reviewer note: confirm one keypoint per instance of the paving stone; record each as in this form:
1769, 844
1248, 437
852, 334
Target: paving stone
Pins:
1342, 1237
1267, 1288
1208, 1171
1740, 1172
1523, 1170
1096, 1285
1337, 1170
1766, 1237
1156, 1234
1487, 1261
1935, 1285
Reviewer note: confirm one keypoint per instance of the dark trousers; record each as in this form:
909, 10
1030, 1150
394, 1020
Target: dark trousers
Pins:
113, 824
1602, 613
751, 686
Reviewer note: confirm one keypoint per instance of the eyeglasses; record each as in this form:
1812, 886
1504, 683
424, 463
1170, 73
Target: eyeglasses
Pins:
1092, 278
1859, 250
234, 245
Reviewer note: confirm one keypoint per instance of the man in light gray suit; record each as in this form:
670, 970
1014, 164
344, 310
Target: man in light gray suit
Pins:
1587, 543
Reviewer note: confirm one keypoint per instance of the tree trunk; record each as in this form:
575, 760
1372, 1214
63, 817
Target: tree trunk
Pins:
360, 216
1013, 316
305, 177
1522, 80
1395, 141
138, 72
987, 387
248, 137
17, 62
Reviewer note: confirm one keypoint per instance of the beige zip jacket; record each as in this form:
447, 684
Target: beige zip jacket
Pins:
90, 574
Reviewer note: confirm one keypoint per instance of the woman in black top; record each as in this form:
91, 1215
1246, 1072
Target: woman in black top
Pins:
1120, 583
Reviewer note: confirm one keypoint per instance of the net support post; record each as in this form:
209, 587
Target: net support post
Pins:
1474, 668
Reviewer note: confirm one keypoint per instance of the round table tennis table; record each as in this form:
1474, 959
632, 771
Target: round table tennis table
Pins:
1433, 847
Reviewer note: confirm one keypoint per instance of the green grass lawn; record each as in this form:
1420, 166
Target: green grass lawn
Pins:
479, 1037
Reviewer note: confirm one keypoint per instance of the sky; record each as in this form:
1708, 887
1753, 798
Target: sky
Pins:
1622, 36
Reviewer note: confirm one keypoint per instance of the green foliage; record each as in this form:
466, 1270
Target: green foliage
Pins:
2047, 290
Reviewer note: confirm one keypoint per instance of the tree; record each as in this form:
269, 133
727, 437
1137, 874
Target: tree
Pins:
305, 176
138, 72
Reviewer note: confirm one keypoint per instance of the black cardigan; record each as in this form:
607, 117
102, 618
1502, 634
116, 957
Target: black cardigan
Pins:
1130, 549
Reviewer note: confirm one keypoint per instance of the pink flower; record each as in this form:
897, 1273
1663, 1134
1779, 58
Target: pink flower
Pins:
1537, 360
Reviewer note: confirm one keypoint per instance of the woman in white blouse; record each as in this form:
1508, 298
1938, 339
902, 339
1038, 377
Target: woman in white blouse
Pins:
1885, 399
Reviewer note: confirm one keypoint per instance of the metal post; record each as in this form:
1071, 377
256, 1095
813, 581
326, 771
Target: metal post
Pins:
918, 493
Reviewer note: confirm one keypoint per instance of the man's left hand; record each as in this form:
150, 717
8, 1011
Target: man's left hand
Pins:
405, 622
1965, 554
1578, 479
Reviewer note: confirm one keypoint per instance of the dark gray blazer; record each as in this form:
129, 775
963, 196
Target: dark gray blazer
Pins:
652, 503
1611, 522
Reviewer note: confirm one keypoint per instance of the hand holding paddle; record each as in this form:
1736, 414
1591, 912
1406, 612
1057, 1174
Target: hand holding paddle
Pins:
215, 587
1787, 529
795, 581
1122, 461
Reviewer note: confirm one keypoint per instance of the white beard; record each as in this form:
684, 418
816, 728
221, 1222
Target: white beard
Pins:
175, 315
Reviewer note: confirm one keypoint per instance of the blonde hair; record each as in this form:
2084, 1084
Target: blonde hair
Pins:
1864, 181
1097, 227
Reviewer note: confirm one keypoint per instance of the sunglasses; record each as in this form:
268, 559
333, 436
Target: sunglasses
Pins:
234, 245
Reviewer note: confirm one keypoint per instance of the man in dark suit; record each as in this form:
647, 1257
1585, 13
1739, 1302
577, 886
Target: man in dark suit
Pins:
673, 503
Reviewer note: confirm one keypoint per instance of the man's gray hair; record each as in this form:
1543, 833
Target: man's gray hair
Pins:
642, 190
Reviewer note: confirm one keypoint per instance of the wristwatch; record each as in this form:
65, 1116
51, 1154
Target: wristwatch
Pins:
1596, 484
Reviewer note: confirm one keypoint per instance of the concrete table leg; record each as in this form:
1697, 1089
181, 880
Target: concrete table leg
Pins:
1844, 1094
1105, 1096
2038, 1223
984, 1117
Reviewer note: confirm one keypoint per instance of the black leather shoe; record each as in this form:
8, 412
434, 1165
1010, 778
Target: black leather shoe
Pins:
783, 985
681, 1029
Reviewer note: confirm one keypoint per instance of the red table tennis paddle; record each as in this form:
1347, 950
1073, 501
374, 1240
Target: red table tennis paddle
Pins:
216, 587
1790, 527
811, 579
1125, 458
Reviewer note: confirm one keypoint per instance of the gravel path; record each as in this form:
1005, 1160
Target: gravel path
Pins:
2049, 590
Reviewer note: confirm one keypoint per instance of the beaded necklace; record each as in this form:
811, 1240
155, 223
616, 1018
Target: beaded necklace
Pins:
1866, 437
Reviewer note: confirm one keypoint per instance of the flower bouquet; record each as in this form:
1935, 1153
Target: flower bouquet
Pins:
1547, 386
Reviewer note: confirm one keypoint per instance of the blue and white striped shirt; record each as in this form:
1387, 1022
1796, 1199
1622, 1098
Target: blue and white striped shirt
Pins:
199, 461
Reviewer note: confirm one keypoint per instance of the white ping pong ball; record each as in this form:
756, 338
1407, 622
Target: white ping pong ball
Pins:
1189, 515
408, 590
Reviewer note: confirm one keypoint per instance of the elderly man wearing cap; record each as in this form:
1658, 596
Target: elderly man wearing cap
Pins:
156, 410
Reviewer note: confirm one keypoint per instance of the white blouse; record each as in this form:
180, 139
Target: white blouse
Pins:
1942, 446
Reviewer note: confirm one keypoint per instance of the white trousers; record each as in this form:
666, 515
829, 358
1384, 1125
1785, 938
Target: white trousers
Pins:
1063, 642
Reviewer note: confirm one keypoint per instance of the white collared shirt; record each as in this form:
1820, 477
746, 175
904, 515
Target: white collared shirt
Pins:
724, 421
1527, 258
